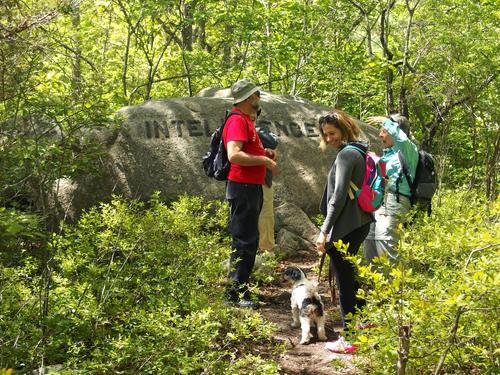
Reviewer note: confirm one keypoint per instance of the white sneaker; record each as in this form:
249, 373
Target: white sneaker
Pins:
340, 346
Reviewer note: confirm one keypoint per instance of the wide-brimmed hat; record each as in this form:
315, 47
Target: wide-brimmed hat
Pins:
242, 90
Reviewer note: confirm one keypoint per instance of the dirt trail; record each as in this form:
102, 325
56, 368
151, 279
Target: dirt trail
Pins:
304, 359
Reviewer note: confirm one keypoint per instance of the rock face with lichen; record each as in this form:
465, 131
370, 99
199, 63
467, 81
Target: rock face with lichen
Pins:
160, 144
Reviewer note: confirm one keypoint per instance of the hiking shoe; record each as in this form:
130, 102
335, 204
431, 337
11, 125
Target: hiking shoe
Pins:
247, 304
340, 346
243, 303
230, 302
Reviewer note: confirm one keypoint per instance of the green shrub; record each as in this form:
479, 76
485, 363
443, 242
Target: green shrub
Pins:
21, 251
266, 264
444, 291
134, 289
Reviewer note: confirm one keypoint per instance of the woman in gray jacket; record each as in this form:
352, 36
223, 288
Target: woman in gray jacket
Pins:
344, 219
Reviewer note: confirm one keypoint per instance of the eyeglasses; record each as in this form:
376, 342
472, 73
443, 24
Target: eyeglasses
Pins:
328, 119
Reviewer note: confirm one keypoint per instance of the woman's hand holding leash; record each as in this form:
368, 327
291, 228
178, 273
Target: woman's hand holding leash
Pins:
320, 243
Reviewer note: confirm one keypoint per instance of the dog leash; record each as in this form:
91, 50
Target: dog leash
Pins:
321, 262
330, 276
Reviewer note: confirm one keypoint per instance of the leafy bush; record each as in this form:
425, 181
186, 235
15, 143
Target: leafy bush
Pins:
21, 241
135, 289
16, 227
264, 271
436, 310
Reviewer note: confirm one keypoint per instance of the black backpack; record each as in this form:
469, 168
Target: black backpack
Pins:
215, 161
424, 184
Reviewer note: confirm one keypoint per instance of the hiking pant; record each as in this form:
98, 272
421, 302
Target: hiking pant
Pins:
345, 273
245, 203
383, 238
266, 220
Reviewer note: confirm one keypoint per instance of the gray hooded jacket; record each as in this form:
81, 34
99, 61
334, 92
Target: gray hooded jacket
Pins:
343, 215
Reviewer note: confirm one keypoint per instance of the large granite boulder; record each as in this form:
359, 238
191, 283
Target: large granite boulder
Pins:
160, 143
295, 220
289, 243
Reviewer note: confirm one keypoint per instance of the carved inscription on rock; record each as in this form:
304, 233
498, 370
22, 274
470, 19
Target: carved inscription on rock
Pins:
203, 128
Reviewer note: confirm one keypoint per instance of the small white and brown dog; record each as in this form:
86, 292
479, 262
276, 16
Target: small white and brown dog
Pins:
307, 307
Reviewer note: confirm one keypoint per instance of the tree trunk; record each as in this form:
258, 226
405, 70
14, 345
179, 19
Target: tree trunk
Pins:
451, 340
490, 178
404, 349
188, 75
402, 102
201, 35
389, 75
226, 54
305, 30
368, 35
149, 84
472, 182
366, 18
269, 57
187, 26
228, 31
125, 61
131, 30
76, 66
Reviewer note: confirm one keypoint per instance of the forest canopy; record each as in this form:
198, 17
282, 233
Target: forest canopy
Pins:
71, 64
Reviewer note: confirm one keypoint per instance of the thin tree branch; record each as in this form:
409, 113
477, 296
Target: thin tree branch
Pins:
451, 340
477, 250
32, 22
154, 81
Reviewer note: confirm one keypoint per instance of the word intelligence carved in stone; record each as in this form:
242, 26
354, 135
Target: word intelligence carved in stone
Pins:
198, 128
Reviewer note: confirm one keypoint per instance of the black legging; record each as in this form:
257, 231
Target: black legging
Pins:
345, 272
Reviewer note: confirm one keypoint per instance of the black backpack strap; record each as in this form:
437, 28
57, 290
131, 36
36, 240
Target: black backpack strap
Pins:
406, 173
397, 186
229, 114
363, 153
404, 168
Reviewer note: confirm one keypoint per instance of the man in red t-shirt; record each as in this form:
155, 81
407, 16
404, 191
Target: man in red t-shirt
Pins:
247, 172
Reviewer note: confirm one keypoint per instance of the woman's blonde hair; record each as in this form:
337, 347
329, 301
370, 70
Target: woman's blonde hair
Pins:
342, 121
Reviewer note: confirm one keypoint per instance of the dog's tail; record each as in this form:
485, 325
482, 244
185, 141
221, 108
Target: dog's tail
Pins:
312, 289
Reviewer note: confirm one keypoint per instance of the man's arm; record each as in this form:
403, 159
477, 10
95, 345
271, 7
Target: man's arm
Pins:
236, 155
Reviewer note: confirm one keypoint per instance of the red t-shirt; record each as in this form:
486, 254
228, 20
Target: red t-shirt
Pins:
241, 128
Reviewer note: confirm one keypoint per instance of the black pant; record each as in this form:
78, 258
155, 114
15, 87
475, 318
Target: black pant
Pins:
345, 272
245, 202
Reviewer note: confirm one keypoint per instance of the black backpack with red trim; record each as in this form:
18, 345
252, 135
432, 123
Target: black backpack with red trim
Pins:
215, 161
